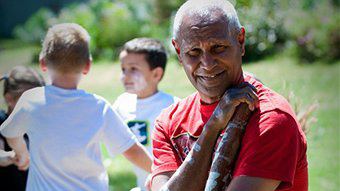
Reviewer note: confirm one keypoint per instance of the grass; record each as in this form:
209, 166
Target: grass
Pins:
310, 83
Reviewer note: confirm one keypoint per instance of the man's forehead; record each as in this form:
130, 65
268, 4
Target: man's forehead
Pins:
201, 19
212, 29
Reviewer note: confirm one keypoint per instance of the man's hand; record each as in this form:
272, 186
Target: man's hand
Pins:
244, 93
6, 158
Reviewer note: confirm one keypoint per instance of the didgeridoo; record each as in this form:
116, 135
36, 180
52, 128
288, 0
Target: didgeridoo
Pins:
227, 150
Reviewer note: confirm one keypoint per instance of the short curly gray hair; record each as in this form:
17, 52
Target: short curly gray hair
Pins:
203, 8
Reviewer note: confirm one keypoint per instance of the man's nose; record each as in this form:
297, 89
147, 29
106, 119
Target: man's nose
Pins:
207, 61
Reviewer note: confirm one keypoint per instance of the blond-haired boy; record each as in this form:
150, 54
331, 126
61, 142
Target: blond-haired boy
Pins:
65, 125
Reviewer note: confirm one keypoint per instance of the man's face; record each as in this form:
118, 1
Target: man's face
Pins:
211, 57
137, 77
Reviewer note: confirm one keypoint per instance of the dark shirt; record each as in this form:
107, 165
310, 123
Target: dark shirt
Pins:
11, 178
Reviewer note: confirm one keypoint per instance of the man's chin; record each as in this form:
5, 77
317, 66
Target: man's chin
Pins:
214, 93
209, 98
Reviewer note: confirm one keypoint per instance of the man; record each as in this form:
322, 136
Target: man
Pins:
209, 41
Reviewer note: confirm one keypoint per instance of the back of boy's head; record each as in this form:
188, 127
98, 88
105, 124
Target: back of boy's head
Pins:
20, 79
66, 48
155, 53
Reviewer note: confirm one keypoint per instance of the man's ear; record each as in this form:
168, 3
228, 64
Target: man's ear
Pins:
158, 73
87, 67
177, 49
42, 64
241, 37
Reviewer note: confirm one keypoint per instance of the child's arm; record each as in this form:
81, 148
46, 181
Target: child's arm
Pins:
138, 155
22, 158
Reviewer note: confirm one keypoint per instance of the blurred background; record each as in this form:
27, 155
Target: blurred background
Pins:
293, 46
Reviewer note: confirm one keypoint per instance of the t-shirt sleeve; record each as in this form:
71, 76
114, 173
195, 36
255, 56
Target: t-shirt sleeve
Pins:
165, 159
270, 148
16, 124
117, 137
116, 104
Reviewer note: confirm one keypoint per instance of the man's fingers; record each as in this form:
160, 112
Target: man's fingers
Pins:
243, 97
253, 95
250, 101
247, 84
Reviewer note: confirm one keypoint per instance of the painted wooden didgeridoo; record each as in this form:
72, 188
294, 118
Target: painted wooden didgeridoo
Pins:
227, 150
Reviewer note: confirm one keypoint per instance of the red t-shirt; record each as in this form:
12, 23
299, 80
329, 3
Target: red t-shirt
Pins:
273, 146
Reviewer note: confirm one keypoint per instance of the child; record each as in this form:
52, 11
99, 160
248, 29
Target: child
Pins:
143, 62
65, 125
19, 79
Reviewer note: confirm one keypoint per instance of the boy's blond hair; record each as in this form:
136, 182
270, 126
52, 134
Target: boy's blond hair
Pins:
66, 48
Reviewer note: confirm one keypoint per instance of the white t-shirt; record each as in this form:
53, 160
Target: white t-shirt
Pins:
140, 115
65, 128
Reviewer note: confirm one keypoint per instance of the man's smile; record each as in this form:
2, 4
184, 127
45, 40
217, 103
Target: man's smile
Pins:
211, 77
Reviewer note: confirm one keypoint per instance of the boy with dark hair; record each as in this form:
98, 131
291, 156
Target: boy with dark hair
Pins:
65, 124
143, 62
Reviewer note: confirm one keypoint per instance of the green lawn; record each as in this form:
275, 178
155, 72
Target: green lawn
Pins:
310, 83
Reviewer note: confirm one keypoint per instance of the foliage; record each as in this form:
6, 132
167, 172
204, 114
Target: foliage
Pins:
308, 27
264, 28
110, 24
314, 30
35, 27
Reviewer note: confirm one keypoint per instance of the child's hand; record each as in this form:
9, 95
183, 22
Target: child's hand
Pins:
6, 158
22, 160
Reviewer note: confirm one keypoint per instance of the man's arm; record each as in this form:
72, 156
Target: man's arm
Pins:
18, 145
245, 183
139, 156
248, 183
193, 172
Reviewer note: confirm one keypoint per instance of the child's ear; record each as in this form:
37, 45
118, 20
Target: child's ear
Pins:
42, 64
10, 101
158, 73
87, 67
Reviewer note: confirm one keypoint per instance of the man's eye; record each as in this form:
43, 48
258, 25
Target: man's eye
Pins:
219, 49
194, 52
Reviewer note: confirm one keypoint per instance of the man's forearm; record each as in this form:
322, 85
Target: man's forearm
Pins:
193, 172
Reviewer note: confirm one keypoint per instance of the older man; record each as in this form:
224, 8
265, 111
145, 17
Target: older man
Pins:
209, 41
